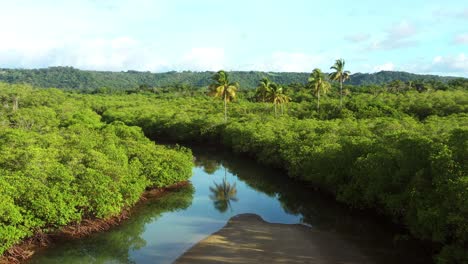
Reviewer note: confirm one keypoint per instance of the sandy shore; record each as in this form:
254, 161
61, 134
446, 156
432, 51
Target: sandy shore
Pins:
247, 238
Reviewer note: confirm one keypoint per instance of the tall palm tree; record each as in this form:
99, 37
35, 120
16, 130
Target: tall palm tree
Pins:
15, 102
318, 84
277, 96
223, 194
222, 88
339, 75
262, 89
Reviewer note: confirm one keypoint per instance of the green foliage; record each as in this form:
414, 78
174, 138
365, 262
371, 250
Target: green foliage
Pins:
60, 163
318, 84
222, 88
111, 82
401, 154
340, 75
400, 151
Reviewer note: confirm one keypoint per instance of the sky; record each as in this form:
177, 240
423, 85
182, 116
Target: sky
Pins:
420, 36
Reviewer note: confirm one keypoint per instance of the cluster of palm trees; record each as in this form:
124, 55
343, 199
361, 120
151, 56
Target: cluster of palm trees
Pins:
268, 91
271, 92
319, 85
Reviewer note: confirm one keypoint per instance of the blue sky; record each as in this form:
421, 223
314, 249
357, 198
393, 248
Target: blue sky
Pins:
295, 35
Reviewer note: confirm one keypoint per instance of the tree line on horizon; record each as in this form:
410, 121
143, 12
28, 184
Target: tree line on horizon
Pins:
83, 80
396, 151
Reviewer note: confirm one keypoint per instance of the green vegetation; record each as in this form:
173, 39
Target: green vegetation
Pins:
340, 75
268, 91
399, 148
116, 246
318, 84
222, 88
59, 163
70, 78
401, 153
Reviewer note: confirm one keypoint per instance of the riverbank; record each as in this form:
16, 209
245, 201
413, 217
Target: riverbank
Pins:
247, 238
372, 154
26, 249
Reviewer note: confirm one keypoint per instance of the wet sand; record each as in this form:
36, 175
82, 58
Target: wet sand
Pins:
247, 238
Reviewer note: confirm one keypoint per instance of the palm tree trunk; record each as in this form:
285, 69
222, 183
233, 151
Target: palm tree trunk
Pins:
225, 107
15, 103
318, 102
341, 92
275, 108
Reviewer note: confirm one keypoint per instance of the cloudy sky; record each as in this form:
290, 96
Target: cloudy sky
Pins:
421, 36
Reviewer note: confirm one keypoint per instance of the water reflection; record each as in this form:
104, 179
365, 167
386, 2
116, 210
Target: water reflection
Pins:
162, 230
210, 166
117, 245
374, 236
223, 193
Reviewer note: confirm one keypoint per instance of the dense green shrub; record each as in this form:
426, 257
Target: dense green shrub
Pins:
60, 163
403, 155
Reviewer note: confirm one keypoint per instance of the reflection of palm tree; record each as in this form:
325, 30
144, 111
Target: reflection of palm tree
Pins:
223, 194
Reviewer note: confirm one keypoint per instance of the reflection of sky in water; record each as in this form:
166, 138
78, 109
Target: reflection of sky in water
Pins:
172, 233
161, 230
180, 230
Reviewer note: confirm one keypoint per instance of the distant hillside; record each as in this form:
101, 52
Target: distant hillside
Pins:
71, 78
388, 76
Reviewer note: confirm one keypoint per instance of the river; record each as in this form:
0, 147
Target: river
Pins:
224, 185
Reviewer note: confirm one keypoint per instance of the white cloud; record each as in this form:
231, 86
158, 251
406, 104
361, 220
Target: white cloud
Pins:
450, 64
385, 67
288, 62
358, 37
200, 59
397, 36
115, 54
404, 29
111, 54
461, 39
447, 65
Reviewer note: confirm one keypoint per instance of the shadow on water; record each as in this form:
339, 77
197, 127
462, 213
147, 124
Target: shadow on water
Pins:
116, 245
224, 185
375, 236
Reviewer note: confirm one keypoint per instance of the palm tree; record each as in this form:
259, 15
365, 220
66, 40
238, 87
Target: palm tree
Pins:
262, 89
318, 84
15, 102
223, 194
222, 88
339, 75
277, 97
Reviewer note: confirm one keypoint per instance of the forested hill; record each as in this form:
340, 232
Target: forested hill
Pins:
68, 77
